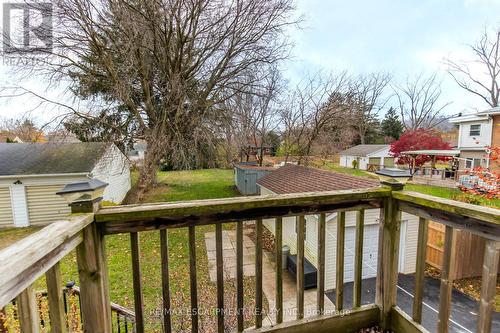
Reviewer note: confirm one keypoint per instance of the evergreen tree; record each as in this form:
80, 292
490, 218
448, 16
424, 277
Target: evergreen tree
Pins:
391, 125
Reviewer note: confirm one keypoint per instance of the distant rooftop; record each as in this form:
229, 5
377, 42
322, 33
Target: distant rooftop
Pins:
298, 179
363, 150
481, 115
48, 158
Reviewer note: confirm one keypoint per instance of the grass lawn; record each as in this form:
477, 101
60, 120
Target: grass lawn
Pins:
453, 193
12, 235
328, 165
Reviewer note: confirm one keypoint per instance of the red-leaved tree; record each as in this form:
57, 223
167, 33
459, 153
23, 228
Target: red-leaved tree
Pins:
419, 139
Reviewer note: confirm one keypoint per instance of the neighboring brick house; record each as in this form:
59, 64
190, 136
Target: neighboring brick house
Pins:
477, 132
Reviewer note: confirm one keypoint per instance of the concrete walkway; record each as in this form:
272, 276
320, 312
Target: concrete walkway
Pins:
269, 275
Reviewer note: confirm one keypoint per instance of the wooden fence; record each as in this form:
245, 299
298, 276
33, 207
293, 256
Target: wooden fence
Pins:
470, 247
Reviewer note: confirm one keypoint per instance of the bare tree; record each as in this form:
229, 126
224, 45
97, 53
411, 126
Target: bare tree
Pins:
165, 66
484, 84
419, 102
316, 104
255, 110
367, 101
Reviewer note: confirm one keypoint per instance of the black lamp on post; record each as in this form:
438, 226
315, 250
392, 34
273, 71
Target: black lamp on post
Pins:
84, 197
393, 177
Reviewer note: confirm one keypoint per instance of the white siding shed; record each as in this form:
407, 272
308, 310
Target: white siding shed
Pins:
31, 174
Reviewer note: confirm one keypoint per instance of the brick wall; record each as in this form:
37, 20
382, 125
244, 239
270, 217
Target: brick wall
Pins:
495, 141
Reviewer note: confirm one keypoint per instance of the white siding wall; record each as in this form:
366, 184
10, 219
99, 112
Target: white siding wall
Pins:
343, 160
114, 169
6, 219
466, 141
44, 205
363, 163
346, 161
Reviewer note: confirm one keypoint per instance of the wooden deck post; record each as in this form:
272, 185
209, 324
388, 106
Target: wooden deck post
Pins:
388, 255
447, 276
93, 273
27, 308
56, 300
488, 286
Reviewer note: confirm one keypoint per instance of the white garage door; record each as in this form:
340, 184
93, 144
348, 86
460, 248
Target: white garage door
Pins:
370, 250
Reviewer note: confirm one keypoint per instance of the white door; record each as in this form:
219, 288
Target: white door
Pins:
19, 205
370, 251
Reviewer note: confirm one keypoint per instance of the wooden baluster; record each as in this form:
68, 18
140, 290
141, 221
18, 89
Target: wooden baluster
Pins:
339, 290
279, 269
388, 255
258, 273
27, 309
56, 300
488, 286
358, 257
420, 269
192, 276
321, 263
165, 281
137, 282
301, 221
220, 277
447, 272
239, 275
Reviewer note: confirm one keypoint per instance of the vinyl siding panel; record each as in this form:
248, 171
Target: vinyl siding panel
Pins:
44, 205
6, 218
114, 169
411, 243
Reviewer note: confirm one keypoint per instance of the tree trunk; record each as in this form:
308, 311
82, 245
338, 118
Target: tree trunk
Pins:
147, 173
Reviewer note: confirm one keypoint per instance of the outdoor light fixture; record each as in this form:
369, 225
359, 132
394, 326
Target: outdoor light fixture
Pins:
83, 195
393, 176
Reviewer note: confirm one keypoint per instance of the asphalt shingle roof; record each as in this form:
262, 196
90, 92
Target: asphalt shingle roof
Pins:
362, 150
49, 158
297, 179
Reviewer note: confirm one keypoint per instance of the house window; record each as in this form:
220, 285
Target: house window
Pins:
475, 130
474, 163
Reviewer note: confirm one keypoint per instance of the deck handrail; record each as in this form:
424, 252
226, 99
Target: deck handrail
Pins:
479, 220
28, 259
142, 217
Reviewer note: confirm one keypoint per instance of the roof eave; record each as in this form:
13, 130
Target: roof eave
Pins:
46, 175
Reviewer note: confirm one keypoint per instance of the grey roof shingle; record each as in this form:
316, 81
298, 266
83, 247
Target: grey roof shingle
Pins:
49, 158
362, 150
298, 179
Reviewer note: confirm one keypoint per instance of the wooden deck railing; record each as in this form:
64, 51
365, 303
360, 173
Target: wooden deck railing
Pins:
27, 260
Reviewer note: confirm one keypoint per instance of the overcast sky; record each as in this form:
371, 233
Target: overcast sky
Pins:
402, 37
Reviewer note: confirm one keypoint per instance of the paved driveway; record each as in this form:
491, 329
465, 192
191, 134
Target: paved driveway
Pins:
463, 313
